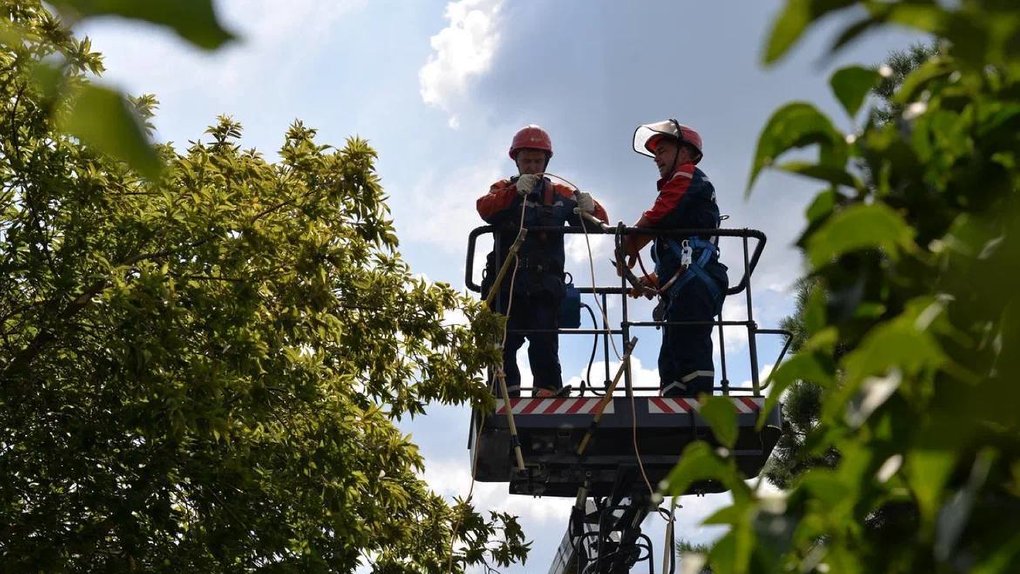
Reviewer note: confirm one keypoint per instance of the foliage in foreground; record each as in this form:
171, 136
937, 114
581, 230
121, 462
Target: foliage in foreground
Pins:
200, 371
912, 246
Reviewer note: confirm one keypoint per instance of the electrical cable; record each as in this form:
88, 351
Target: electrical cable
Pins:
591, 263
591, 359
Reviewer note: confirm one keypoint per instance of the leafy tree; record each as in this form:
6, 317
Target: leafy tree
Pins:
200, 371
803, 399
913, 327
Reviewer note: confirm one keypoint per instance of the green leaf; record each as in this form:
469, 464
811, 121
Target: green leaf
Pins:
814, 310
723, 555
826, 487
827, 173
918, 80
192, 20
903, 343
722, 417
902, 347
700, 462
791, 23
859, 227
822, 205
1000, 559
927, 471
795, 125
851, 85
929, 18
801, 367
727, 515
9, 35
102, 118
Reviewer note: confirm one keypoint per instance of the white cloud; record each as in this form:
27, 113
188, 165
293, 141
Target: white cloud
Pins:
452, 478
735, 336
276, 40
440, 209
455, 317
763, 374
460, 52
643, 377
577, 251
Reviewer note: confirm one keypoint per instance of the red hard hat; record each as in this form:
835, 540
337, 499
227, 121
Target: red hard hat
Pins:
531, 137
646, 136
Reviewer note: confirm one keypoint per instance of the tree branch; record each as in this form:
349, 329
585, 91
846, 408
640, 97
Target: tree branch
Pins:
24, 358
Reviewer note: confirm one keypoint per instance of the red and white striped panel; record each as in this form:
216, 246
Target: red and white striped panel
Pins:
660, 405
564, 406
746, 405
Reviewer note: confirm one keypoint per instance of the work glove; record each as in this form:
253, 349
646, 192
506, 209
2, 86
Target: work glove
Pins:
526, 183
648, 287
585, 203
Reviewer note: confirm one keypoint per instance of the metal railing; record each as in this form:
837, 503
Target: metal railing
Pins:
751, 257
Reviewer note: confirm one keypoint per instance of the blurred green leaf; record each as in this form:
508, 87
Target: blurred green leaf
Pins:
9, 36
192, 20
859, 226
918, 80
829, 174
103, 119
814, 310
822, 205
904, 343
48, 78
874, 392
926, 17
851, 85
790, 24
1005, 557
803, 366
795, 125
700, 462
927, 471
958, 510
723, 556
827, 487
722, 417
727, 515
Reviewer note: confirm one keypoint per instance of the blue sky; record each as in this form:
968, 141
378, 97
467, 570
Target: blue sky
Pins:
439, 88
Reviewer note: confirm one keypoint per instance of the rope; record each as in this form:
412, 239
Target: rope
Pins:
669, 544
500, 376
605, 400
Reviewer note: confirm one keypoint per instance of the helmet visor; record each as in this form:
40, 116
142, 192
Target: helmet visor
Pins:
645, 134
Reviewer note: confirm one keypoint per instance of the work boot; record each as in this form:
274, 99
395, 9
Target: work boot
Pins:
543, 393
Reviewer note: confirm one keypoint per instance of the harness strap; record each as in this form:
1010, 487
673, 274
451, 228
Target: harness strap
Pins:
694, 269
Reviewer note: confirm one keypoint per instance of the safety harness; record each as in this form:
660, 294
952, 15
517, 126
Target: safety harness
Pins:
689, 267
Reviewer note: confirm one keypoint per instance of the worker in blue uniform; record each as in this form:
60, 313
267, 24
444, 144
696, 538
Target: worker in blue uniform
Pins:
690, 281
